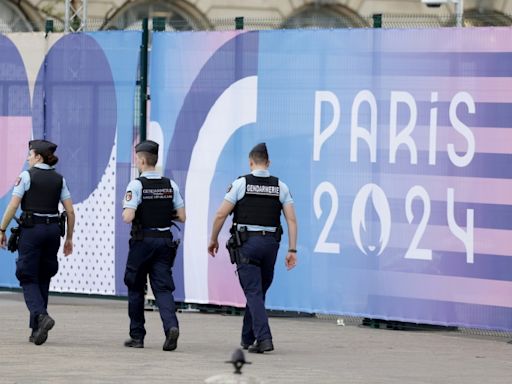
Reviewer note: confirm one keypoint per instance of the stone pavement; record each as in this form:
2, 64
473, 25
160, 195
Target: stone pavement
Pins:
86, 346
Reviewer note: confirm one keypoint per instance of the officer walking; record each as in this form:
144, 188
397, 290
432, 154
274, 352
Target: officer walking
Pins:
39, 191
256, 200
151, 204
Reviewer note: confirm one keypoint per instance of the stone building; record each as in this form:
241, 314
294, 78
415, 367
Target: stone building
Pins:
30, 15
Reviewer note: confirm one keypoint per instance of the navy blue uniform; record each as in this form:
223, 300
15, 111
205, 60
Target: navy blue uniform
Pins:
41, 189
152, 251
258, 203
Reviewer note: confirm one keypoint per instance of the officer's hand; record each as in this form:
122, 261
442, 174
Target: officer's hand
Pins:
3, 240
68, 247
291, 260
213, 247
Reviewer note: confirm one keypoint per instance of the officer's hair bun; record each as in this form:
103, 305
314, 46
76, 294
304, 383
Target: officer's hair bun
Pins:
50, 159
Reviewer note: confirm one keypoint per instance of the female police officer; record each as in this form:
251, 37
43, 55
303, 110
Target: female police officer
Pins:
256, 200
39, 191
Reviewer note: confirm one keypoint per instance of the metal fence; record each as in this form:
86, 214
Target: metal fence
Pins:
395, 21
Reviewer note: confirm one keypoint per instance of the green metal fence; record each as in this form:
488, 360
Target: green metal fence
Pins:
472, 18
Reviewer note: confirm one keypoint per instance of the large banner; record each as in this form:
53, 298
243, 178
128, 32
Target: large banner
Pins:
78, 91
397, 148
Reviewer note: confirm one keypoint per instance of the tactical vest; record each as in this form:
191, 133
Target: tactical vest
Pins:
260, 204
157, 208
43, 195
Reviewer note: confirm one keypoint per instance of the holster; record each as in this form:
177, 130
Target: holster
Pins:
62, 223
279, 233
137, 233
232, 249
14, 238
234, 243
27, 219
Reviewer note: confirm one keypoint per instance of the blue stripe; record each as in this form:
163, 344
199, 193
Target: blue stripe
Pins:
439, 312
496, 115
443, 263
483, 165
456, 64
490, 267
485, 215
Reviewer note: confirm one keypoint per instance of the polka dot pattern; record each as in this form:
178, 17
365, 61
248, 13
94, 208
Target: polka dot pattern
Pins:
91, 267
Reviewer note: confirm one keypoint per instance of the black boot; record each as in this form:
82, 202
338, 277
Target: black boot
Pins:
134, 343
44, 324
245, 345
171, 339
262, 346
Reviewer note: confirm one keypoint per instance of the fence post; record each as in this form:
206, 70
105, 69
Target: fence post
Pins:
143, 80
377, 20
48, 26
158, 24
239, 23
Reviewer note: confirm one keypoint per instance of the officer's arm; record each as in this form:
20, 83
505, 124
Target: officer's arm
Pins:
180, 215
10, 211
291, 222
220, 217
70, 218
128, 215
70, 222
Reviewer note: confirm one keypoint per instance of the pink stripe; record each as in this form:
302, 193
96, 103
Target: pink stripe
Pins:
482, 89
443, 288
492, 39
440, 238
467, 189
15, 132
487, 140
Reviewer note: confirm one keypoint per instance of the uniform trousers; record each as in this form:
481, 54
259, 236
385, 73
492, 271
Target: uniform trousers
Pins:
255, 272
153, 256
35, 266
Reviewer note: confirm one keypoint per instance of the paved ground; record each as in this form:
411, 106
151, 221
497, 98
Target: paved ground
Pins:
86, 346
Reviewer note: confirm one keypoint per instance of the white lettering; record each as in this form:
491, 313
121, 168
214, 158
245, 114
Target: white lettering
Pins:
404, 137
462, 161
320, 137
357, 132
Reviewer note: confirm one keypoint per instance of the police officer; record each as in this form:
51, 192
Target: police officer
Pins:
256, 200
39, 191
151, 204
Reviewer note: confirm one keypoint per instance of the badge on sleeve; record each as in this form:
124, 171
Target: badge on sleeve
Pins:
128, 196
18, 181
229, 188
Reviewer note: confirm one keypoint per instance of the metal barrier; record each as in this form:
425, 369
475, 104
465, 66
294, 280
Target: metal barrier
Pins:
395, 21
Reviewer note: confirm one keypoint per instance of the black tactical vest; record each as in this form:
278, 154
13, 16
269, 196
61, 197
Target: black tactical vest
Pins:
260, 204
156, 209
43, 195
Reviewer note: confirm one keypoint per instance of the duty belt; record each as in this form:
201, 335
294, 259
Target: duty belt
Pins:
260, 233
45, 219
158, 234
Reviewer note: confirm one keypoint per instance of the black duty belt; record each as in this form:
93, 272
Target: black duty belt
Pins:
158, 234
260, 233
45, 219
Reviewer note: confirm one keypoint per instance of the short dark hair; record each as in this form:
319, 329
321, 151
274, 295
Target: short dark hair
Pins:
151, 158
259, 154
